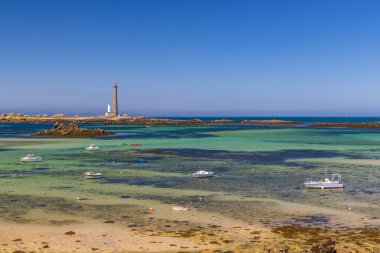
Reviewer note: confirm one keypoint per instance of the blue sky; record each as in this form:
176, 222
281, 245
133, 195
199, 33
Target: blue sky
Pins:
191, 57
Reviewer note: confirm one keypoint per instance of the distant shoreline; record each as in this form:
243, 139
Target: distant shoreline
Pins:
130, 120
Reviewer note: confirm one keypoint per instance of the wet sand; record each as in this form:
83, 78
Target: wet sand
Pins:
166, 230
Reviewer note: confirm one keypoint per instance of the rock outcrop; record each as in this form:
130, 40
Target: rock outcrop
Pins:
194, 122
281, 247
326, 247
7, 118
369, 125
72, 130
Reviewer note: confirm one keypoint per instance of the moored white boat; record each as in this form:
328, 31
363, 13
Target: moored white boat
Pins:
92, 147
203, 173
326, 183
92, 175
31, 158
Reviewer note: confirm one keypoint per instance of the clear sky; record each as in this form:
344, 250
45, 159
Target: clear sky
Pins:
191, 57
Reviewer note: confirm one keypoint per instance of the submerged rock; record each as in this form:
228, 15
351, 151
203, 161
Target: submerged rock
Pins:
326, 247
369, 125
72, 130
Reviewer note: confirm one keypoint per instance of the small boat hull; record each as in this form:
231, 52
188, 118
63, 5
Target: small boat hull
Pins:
203, 174
92, 147
326, 183
323, 185
30, 160
92, 175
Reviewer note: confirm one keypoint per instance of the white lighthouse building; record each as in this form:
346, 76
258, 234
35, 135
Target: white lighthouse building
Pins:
108, 110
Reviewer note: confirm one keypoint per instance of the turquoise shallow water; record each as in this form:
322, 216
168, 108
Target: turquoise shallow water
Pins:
249, 161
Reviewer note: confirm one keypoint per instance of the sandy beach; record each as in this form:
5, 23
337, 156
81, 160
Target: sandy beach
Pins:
167, 230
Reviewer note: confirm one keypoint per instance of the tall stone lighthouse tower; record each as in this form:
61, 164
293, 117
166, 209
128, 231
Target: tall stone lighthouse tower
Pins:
115, 105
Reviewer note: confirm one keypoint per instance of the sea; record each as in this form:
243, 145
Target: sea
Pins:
249, 163
298, 119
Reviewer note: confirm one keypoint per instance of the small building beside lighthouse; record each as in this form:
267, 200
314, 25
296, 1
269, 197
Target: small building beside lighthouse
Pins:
108, 109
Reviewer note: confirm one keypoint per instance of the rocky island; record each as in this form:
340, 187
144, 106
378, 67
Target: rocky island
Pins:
72, 130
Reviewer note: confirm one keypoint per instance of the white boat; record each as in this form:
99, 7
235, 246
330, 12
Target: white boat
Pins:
203, 173
326, 183
180, 208
92, 175
31, 158
92, 147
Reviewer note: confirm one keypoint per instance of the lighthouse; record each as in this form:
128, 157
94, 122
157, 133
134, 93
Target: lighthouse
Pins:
115, 109
115, 105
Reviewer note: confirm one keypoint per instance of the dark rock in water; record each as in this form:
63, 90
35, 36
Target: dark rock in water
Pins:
326, 247
368, 125
156, 152
72, 130
70, 233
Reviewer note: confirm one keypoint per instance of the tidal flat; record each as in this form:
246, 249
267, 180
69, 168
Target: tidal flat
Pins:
255, 202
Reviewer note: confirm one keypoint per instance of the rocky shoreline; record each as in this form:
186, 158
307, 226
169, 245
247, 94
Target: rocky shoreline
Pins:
72, 130
127, 120
369, 125
175, 122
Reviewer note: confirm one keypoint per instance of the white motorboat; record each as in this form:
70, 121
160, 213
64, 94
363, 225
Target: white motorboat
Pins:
180, 208
326, 183
31, 158
92, 175
203, 173
92, 147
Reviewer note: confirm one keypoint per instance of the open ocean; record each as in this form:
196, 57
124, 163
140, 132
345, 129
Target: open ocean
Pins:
300, 119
